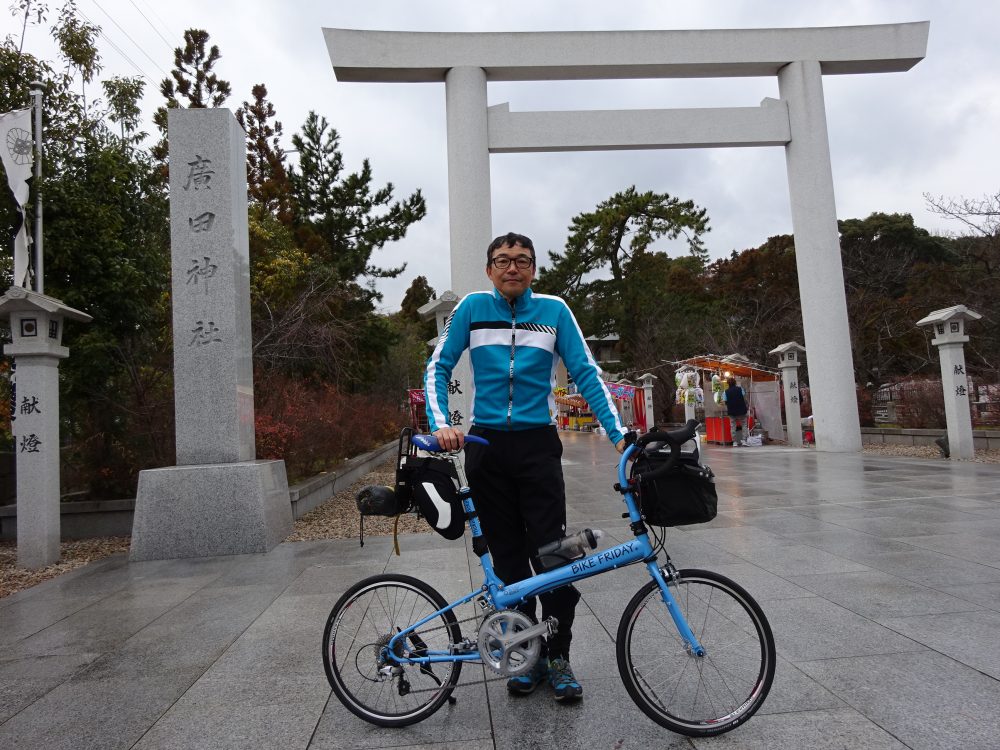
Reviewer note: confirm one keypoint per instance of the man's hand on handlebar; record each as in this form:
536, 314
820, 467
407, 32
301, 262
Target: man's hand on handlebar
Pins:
628, 439
449, 438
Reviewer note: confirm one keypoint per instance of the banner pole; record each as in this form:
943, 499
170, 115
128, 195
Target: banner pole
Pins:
36, 93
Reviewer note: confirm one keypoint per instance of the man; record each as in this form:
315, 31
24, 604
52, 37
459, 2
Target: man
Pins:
515, 338
736, 406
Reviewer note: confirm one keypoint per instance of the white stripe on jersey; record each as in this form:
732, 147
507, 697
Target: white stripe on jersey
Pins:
489, 337
501, 337
537, 339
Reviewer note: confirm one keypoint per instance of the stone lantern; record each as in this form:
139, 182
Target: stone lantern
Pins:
790, 357
36, 327
647, 397
948, 326
439, 309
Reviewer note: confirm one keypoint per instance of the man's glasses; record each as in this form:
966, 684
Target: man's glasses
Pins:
522, 262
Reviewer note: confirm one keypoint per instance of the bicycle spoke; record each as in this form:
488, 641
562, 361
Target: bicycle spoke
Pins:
361, 627
696, 695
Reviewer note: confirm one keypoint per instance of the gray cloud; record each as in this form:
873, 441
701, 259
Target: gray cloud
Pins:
892, 136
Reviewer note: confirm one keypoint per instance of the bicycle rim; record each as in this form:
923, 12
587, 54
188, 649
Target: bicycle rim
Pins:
354, 648
697, 695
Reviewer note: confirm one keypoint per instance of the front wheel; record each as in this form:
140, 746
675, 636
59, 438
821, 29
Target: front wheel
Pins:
698, 696
355, 650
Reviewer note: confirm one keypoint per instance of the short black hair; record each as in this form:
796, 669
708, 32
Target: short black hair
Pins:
511, 239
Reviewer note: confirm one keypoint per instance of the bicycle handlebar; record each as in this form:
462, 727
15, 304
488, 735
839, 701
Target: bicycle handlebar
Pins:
673, 438
430, 443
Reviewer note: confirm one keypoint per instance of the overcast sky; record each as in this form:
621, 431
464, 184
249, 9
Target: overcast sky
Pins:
892, 136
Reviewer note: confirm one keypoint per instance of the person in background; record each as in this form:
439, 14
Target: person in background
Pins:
735, 399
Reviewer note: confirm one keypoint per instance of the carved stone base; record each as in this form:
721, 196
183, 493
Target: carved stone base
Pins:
210, 510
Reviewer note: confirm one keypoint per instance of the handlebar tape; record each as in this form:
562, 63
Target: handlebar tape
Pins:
430, 443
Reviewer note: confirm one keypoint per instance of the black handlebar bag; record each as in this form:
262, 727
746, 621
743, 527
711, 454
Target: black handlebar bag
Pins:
684, 495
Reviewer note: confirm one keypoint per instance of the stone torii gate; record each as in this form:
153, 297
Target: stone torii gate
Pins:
797, 120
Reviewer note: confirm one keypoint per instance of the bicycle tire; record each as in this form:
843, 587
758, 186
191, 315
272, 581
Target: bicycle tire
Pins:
692, 695
360, 625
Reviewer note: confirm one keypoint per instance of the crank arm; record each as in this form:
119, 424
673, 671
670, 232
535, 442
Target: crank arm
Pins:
545, 628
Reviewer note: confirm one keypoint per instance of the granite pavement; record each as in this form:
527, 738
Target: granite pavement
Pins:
880, 577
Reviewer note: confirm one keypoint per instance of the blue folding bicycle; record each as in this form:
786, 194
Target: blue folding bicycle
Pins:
694, 649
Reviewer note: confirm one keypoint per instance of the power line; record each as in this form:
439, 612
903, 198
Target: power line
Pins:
117, 49
163, 23
134, 42
151, 25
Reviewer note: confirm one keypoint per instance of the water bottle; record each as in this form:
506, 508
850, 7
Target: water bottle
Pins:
570, 547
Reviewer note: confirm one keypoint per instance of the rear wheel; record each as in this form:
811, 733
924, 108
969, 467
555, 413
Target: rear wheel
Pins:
355, 644
694, 695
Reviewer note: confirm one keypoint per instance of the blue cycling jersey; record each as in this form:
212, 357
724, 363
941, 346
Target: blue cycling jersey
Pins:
514, 349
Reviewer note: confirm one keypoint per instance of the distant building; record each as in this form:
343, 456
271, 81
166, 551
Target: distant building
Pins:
607, 351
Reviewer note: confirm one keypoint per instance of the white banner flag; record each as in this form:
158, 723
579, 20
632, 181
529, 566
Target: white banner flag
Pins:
18, 155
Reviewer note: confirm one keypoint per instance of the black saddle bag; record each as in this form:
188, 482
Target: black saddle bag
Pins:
429, 486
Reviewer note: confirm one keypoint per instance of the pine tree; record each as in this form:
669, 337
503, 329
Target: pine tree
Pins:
339, 219
417, 295
192, 80
614, 239
267, 176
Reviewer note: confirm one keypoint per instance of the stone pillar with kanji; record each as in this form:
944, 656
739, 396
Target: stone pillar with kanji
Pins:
790, 357
217, 500
948, 327
36, 327
460, 384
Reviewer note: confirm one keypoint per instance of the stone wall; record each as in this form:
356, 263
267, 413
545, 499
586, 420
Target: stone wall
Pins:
897, 436
94, 518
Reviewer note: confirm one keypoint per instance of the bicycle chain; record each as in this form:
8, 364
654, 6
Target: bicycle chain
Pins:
485, 679
461, 684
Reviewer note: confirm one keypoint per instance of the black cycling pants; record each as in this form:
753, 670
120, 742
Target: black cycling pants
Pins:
517, 487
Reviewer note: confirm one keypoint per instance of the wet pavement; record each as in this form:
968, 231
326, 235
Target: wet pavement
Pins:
880, 577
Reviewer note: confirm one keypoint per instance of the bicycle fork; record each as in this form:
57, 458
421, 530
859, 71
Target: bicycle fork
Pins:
693, 645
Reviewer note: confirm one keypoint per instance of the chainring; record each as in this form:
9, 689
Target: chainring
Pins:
496, 630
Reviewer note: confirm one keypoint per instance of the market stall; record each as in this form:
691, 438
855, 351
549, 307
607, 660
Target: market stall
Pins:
573, 412
761, 384
418, 414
